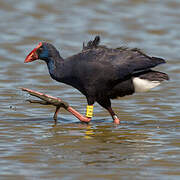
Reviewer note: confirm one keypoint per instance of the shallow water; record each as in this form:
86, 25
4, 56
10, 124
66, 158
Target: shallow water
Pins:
145, 145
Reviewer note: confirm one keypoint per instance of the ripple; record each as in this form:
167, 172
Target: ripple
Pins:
145, 145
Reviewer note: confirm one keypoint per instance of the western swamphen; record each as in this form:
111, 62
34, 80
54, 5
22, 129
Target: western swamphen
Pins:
102, 73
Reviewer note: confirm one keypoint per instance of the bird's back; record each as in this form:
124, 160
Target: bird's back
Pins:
99, 68
122, 61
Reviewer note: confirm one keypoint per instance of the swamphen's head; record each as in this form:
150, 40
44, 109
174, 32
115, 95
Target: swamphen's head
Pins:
43, 51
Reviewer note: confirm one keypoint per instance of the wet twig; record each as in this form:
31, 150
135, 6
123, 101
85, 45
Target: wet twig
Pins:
57, 102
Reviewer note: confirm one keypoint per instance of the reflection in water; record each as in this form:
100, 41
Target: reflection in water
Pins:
88, 132
144, 146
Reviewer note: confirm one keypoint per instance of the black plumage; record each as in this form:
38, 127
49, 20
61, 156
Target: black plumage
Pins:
99, 72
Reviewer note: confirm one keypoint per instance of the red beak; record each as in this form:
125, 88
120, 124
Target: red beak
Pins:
32, 56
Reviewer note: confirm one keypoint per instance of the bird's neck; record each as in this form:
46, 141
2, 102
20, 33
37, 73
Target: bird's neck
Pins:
55, 67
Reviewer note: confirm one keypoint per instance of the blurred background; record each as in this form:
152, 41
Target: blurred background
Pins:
145, 145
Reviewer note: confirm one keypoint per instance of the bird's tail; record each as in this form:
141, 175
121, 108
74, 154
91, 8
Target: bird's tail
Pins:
144, 81
152, 75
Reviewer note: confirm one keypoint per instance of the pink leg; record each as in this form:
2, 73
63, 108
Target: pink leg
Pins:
114, 116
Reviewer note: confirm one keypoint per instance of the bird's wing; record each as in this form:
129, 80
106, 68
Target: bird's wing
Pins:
92, 44
102, 64
125, 62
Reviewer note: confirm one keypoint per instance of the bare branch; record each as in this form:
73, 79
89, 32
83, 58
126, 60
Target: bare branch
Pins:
57, 102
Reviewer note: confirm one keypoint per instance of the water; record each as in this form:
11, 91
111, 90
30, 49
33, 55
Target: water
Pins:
145, 145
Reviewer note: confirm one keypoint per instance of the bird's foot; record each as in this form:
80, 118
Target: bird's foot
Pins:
116, 120
85, 119
78, 115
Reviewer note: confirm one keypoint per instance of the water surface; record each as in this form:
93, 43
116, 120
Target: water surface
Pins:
145, 145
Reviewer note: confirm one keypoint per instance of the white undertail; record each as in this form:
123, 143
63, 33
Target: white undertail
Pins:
144, 85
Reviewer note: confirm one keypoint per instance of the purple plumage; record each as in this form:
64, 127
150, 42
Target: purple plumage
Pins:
102, 73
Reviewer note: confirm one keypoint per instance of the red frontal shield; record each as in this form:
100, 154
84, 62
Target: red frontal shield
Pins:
32, 56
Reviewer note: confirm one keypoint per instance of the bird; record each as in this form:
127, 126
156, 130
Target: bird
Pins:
101, 73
